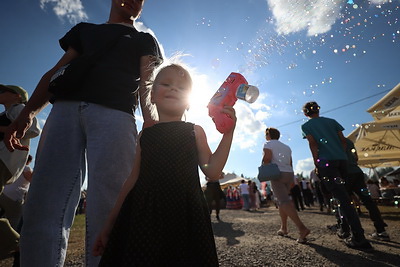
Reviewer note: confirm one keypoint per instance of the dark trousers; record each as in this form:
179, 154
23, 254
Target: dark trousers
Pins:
212, 193
356, 184
308, 197
318, 192
295, 192
332, 173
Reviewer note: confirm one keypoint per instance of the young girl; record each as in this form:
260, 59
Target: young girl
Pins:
161, 217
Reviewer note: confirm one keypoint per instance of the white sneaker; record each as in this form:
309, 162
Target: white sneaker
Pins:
380, 236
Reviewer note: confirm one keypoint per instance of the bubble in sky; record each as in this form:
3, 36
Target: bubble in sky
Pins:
239, 46
215, 63
205, 22
290, 101
335, 51
308, 92
285, 138
355, 6
292, 66
298, 112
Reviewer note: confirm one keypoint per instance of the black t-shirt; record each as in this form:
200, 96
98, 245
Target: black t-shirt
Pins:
114, 80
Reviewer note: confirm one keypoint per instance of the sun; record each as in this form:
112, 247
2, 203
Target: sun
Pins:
200, 96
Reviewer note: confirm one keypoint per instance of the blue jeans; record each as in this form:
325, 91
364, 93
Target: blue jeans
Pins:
75, 133
333, 176
246, 201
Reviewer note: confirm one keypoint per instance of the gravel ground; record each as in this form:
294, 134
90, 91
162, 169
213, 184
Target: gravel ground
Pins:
249, 239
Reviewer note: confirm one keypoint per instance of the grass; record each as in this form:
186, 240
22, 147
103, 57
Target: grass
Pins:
76, 242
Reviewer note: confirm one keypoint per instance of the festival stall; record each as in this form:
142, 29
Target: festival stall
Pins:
378, 142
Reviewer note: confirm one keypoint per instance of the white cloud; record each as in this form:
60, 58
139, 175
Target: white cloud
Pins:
378, 2
72, 10
304, 166
316, 16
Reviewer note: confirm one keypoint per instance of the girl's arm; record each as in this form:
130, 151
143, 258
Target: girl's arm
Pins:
210, 163
102, 238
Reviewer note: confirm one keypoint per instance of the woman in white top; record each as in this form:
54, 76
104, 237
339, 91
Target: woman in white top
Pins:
281, 154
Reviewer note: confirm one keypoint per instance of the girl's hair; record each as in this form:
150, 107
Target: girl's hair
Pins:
178, 67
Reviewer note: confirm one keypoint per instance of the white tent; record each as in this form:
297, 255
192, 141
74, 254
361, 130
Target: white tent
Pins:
378, 142
231, 179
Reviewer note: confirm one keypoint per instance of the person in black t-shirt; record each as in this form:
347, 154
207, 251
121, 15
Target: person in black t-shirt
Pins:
91, 127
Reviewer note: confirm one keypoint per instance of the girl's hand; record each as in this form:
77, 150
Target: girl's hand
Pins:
230, 111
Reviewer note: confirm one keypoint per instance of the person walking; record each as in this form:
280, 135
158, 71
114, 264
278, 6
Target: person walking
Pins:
355, 184
295, 193
91, 127
328, 145
318, 191
213, 193
244, 193
252, 195
277, 152
177, 231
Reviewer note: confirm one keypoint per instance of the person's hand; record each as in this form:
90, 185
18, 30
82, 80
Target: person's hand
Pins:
100, 243
230, 111
15, 132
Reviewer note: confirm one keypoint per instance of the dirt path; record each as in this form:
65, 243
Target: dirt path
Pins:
249, 239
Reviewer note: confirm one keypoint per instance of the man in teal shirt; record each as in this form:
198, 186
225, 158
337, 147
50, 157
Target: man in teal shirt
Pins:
328, 148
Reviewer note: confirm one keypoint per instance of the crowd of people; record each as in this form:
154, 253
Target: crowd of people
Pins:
131, 217
246, 196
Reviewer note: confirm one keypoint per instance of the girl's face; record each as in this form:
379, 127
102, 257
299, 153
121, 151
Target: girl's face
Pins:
171, 91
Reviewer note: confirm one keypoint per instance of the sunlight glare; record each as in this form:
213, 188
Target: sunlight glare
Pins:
200, 96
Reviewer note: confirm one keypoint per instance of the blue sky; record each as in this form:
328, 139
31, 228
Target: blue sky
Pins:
342, 54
